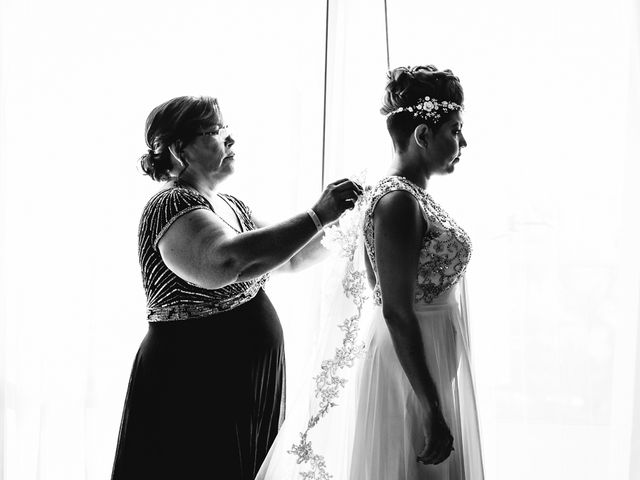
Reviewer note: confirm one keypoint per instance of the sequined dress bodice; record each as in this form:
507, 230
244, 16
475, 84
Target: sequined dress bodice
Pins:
445, 249
170, 297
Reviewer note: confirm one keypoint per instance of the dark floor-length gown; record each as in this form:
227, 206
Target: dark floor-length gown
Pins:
205, 397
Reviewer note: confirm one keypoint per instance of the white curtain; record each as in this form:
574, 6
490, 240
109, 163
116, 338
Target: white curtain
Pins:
546, 188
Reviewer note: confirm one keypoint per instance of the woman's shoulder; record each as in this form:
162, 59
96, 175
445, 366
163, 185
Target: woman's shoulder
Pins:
397, 196
175, 198
165, 207
396, 182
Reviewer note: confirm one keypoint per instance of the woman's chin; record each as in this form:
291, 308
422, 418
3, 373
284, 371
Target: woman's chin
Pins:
452, 165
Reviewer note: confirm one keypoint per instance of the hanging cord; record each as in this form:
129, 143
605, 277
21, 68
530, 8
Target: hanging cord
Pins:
386, 33
324, 108
326, 69
386, 39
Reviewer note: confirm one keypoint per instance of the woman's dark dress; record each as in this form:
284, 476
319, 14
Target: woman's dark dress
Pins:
205, 398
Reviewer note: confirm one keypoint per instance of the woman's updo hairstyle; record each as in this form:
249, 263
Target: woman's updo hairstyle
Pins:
179, 119
406, 86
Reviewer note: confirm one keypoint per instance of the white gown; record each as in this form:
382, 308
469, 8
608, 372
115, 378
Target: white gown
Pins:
377, 429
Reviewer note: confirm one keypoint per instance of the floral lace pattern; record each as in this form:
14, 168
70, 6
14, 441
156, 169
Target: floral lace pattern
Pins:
445, 250
342, 240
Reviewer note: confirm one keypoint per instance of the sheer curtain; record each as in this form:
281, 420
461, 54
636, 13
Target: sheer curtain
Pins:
546, 188
632, 175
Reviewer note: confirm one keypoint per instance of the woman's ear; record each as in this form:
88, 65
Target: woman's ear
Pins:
420, 135
176, 151
179, 162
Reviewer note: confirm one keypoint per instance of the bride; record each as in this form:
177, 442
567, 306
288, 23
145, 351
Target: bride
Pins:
408, 408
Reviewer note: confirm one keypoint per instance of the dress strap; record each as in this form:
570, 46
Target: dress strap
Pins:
394, 183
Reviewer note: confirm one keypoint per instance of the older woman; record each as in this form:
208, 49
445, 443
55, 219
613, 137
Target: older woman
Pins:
205, 398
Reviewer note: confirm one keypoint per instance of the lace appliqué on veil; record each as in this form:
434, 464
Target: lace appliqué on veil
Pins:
445, 250
343, 240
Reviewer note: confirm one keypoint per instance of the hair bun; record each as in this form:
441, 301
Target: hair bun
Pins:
146, 163
155, 165
399, 80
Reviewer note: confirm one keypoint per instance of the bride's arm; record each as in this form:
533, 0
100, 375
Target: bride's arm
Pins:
399, 228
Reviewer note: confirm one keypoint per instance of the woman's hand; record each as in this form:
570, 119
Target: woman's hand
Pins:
440, 441
335, 199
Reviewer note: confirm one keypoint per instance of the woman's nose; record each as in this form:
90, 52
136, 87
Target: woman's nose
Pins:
463, 141
229, 141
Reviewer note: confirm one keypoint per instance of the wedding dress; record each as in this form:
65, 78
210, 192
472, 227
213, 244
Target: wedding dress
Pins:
365, 422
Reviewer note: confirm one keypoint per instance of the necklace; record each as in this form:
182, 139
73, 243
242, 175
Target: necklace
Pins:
182, 184
234, 211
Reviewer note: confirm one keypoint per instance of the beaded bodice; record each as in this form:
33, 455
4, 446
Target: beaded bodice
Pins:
170, 297
445, 249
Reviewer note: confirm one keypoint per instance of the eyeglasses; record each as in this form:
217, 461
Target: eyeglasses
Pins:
221, 129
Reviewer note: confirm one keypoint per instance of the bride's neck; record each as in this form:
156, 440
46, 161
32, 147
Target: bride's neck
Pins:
404, 165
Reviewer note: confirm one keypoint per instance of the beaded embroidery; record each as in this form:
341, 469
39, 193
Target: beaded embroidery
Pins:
445, 250
170, 297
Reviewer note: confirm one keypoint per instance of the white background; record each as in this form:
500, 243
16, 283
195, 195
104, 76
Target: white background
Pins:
546, 189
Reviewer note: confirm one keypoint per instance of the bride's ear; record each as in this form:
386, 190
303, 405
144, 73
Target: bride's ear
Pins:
420, 135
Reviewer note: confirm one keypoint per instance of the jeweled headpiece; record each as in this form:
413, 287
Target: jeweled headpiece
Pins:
429, 108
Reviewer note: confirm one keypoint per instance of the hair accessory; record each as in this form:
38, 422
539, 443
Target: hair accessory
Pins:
315, 219
429, 108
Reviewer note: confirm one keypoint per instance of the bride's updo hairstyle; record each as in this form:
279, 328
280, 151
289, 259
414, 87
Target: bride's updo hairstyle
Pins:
178, 119
406, 86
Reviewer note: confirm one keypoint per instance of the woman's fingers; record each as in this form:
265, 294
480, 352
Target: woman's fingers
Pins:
349, 191
423, 453
344, 184
437, 450
337, 182
446, 443
429, 452
347, 194
347, 185
443, 452
424, 456
336, 198
435, 454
